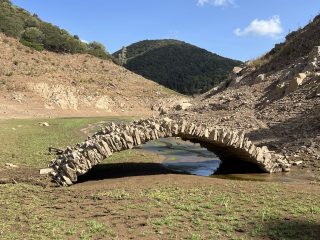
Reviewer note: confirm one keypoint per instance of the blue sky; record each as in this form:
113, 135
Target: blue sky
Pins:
239, 29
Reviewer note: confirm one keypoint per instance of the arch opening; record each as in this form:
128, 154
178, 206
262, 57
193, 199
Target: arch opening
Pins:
183, 156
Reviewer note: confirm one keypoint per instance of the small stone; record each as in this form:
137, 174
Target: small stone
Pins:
67, 180
10, 165
44, 124
46, 171
286, 167
297, 163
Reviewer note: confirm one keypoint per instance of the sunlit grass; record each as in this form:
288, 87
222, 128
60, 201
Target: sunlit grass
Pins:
25, 142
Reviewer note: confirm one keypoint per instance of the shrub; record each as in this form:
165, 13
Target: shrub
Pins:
32, 22
97, 49
33, 35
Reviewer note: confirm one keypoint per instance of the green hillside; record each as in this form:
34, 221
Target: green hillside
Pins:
35, 33
177, 65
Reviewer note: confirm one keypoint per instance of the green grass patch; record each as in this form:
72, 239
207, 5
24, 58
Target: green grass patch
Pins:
25, 142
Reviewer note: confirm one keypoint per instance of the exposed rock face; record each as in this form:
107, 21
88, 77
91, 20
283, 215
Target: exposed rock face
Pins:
227, 144
314, 60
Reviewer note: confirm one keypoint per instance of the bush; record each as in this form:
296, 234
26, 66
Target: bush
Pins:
5, 1
33, 35
32, 22
97, 49
58, 40
11, 22
36, 46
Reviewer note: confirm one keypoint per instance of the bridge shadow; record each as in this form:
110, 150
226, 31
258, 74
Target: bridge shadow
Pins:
122, 170
132, 169
293, 229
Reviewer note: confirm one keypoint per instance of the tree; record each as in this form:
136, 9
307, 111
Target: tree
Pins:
33, 37
96, 46
123, 56
33, 34
11, 21
32, 22
6, 1
97, 49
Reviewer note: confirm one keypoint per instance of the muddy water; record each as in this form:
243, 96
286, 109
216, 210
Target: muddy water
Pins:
189, 158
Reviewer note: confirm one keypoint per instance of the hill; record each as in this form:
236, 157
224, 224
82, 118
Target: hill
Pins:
298, 44
42, 84
274, 99
178, 65
37, 34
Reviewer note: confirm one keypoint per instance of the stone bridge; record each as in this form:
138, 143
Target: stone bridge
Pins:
231, 147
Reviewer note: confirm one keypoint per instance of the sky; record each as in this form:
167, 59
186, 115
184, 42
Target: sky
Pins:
238, 29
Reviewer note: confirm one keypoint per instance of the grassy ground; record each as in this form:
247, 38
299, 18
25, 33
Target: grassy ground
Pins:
129, 197
167, 208
25, 142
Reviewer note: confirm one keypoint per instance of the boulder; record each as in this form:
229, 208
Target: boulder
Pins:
237, 70
295, 83
183, 106
261, 77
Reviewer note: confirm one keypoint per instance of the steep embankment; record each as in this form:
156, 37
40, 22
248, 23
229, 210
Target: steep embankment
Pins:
41, 84
178, 65
298, 44
279, 108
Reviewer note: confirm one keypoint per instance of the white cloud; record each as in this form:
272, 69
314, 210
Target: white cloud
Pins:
201, 3
268, 28
84, 41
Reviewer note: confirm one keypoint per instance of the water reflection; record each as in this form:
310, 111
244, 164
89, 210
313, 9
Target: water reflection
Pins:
186, 157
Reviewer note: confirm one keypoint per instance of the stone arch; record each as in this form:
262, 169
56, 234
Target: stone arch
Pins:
229, 145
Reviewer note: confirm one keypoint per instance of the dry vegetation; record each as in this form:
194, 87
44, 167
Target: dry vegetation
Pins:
37, 84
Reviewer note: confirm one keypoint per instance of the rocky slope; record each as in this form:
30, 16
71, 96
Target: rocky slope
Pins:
44, 84
279, 108
178, 65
